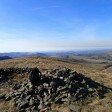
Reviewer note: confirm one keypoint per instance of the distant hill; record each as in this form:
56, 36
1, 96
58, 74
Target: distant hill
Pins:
5, 57
91, 54
84, 54
22, 54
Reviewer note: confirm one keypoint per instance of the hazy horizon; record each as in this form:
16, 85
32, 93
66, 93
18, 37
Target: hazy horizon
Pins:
49, 25
63, 51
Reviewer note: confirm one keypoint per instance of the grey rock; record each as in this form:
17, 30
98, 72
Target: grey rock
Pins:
28, 97
31, 102
90, 89
41, 106
17, 93
22, 89
58, 100
22, 96
22, 110
65, 100
8, 98
16, 86
18, 102
23, 105
34, 109
2, 96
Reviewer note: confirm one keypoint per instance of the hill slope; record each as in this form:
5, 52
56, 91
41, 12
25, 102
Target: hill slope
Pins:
93, 71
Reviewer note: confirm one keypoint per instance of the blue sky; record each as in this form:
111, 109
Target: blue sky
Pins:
40, 25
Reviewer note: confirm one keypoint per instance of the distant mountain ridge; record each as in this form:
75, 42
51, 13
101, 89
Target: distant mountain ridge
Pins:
62, 54
21, 54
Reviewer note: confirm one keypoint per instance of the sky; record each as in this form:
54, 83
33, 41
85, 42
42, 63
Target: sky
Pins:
46, 25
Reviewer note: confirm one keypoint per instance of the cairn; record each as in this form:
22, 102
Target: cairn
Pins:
56, 86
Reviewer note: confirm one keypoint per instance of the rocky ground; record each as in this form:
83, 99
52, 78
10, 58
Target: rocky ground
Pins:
59, 90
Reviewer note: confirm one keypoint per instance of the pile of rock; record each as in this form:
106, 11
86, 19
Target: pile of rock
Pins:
57, 86
14, 70
5, 73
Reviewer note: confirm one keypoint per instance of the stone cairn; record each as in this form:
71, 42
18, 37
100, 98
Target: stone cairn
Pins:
57, 86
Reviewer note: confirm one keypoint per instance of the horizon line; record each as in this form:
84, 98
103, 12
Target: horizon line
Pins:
71, 50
